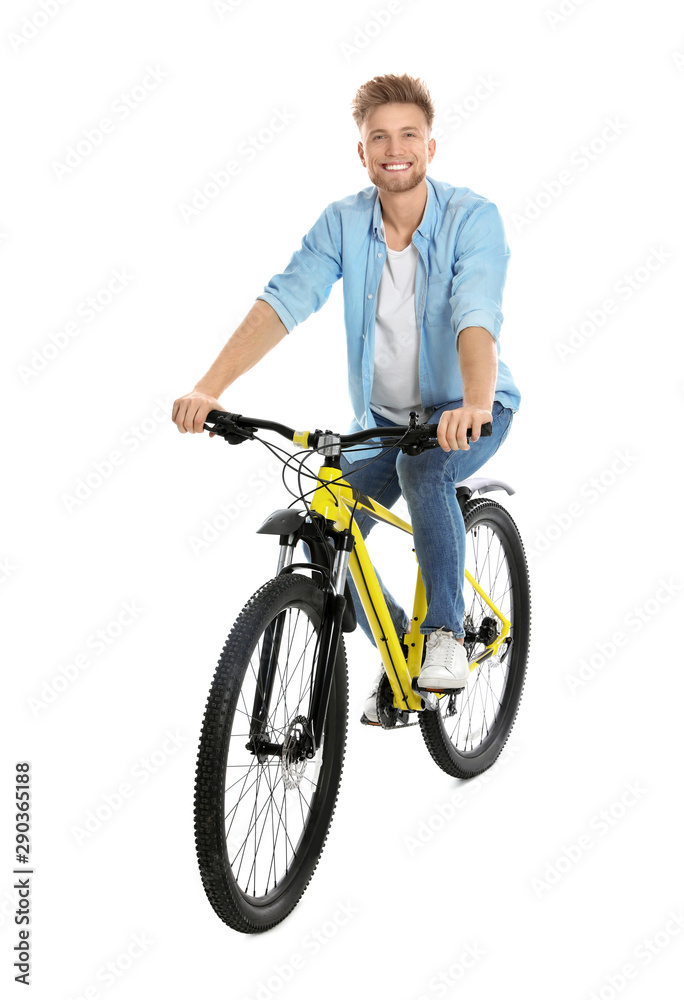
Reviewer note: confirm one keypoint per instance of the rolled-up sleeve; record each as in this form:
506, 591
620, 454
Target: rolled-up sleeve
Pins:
304, 286
482, 256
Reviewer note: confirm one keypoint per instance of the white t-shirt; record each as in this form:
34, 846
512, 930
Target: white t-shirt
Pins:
396, 389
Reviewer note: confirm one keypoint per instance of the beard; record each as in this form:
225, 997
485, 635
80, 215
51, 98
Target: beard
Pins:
397, 183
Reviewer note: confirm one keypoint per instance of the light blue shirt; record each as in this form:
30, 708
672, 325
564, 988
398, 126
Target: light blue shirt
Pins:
463, 258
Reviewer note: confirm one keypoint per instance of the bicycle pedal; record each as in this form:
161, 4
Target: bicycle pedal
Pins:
444, 691
367, 722
429, 697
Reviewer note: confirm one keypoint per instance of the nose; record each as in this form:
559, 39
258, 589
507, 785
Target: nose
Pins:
394, 148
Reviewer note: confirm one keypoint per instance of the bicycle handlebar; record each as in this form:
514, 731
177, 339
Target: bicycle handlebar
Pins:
417, 437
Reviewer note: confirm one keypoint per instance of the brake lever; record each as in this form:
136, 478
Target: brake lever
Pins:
420, 435
225, 427
420, 442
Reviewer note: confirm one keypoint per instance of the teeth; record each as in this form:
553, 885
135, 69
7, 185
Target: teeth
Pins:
396, 166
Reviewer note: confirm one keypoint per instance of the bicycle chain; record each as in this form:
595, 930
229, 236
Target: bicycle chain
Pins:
402, 725
397, 726
381, 693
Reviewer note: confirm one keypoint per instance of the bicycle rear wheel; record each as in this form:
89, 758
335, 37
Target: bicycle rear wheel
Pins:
468, 731
262, 809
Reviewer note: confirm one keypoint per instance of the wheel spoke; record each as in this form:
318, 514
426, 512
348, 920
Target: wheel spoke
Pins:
269, 806
478, 711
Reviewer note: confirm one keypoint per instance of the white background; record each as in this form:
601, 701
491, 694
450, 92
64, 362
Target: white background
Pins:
597, 554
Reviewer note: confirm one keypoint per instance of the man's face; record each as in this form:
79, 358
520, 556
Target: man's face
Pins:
395, 146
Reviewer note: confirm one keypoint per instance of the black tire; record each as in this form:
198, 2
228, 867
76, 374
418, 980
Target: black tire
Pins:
255, 905
488, 705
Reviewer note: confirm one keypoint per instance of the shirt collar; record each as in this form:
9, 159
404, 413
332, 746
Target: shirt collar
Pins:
425, 226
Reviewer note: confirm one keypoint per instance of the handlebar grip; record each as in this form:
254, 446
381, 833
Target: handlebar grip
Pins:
229, 426
485, 430
213, 415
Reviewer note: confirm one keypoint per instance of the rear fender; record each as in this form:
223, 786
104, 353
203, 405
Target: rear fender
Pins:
479, 484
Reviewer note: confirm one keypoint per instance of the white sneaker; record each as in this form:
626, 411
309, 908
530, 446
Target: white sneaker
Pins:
445, 667
370, 708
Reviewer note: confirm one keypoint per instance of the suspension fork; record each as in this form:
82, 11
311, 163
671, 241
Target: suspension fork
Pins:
270, 651
328, 640
325, 654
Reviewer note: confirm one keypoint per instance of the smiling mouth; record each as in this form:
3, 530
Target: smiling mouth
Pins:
396, 167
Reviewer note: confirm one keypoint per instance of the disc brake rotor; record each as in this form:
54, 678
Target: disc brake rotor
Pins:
293, 761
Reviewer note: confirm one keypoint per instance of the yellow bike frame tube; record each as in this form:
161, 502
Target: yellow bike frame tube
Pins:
414, 640
334, 501
327, 501
382, 626
504, 621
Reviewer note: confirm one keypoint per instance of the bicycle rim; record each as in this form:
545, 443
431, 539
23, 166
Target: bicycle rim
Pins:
470, 727
268, 800
262, 808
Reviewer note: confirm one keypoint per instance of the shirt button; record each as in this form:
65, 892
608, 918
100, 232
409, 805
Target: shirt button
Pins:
379, 255
370, 296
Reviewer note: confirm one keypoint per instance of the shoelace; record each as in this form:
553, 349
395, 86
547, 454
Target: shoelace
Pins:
441, 651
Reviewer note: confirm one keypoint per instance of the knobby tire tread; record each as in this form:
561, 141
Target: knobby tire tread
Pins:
212, 753
431, 725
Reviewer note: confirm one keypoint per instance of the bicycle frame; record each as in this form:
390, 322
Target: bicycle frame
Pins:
334, 499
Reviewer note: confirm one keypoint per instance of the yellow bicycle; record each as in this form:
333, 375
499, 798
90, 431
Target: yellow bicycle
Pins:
274, 731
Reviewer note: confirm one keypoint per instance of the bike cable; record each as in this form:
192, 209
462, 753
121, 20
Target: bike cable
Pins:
302, 469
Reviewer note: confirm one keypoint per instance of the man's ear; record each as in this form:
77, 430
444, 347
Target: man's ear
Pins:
432, 148
360, 150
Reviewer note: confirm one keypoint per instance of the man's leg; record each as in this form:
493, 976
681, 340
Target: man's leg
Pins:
428, 484
379, 480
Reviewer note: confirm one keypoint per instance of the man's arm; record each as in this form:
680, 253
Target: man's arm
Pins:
478, 361
260, 330
288, 299
477, 290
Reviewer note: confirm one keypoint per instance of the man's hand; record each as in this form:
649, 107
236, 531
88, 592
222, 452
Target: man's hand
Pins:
453, 425
190, 411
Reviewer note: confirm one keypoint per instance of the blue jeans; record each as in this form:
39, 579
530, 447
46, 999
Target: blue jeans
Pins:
427, 482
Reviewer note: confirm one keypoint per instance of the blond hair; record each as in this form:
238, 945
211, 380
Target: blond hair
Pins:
392, 89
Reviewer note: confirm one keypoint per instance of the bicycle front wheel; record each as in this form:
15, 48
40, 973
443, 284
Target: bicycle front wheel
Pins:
262, 809
468, 731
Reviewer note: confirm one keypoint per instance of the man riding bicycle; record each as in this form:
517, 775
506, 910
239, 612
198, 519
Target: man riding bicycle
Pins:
423, 265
